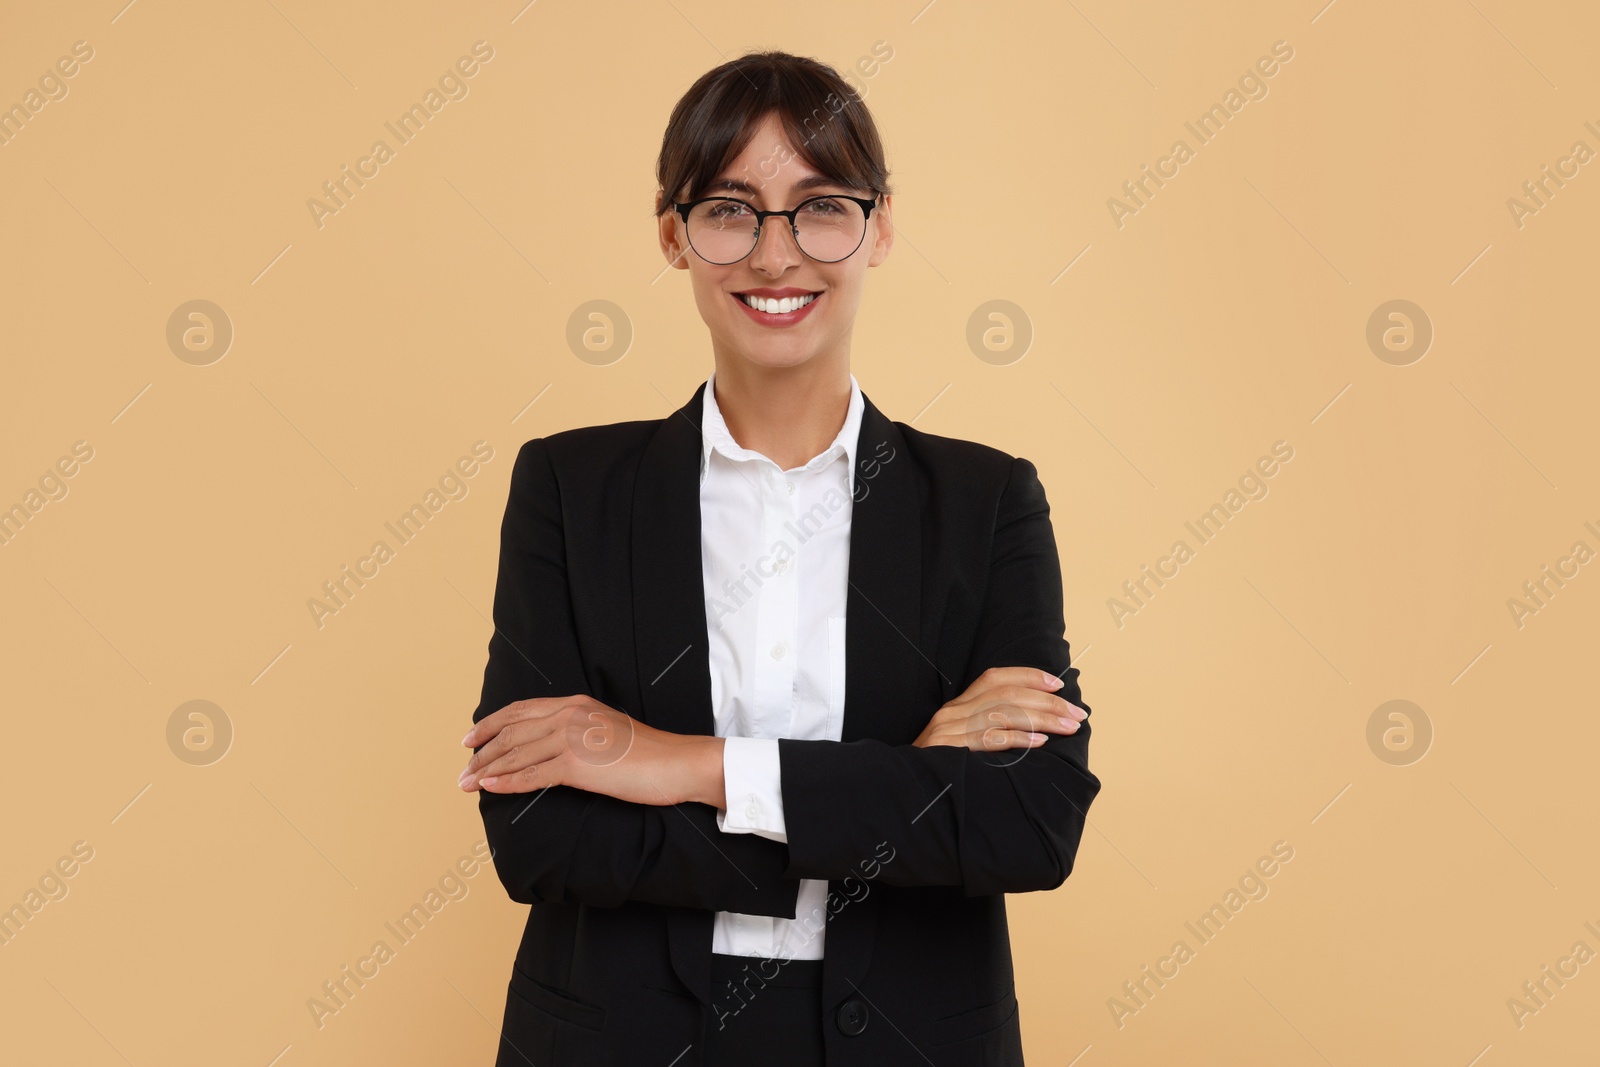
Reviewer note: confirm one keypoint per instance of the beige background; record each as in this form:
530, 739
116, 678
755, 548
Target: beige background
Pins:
1230, 312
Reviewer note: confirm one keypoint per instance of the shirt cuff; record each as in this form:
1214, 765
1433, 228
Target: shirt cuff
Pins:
753, 778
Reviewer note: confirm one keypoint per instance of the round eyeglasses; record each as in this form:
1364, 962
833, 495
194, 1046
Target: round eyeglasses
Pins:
723, 229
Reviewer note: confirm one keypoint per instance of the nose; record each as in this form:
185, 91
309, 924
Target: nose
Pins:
773, 254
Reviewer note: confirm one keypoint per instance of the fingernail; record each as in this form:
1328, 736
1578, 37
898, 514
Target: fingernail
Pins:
463, 779
468, 739
1053, 682
488, 781
1069, 723
1036, 738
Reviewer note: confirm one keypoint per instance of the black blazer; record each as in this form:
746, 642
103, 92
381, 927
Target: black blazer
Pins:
953, 568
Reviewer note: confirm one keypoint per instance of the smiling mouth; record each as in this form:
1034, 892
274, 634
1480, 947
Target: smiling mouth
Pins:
776, 305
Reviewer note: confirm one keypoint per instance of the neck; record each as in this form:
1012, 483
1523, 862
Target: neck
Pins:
788, 414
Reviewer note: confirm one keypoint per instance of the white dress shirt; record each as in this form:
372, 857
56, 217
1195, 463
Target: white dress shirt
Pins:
775, 554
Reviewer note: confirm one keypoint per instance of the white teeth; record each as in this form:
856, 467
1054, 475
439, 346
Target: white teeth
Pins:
778, 307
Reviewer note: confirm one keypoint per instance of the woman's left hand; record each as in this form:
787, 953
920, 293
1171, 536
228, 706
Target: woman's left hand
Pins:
579, 741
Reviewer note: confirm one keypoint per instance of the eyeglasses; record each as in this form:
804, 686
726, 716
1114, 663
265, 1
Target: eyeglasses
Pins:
723, 230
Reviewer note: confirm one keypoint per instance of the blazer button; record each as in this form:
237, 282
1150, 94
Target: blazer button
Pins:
852, 1017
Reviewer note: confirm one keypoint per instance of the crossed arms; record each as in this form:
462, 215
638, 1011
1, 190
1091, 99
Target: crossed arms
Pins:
583, 804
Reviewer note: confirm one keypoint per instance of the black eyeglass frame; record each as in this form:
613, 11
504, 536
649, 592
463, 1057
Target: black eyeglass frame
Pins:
794, 227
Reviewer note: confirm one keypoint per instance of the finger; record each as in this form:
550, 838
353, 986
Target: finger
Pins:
514, 760
514, 734
1021, 696
1047, 702
1031, 719
950, 733
523, 781
491, 724
1031, 677
998, 739
992, 735
517, 711
526, 767
537, 766
516, 731
518, 737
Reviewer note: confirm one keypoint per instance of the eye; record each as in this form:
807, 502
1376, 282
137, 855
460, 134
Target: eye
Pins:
724, 210
825, 208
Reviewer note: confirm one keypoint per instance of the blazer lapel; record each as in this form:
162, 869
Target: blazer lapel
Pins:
669, 629
884, 639
883, 650
669, 609
884, 643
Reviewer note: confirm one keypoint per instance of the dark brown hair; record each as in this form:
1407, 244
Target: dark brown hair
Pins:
826, 120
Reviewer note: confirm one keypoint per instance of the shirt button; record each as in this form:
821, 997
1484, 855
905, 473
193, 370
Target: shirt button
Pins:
751, 810
791, 487
780, 566
778, 650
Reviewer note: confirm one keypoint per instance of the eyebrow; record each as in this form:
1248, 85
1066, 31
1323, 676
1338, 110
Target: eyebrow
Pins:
737, 185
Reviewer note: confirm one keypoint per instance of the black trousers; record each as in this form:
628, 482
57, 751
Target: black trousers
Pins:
765, 1012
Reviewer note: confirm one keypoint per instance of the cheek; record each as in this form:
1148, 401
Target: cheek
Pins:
707, 292
845, 289
709, 280
843, 312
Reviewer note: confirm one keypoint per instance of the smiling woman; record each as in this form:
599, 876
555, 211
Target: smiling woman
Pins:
880, 692
739, 155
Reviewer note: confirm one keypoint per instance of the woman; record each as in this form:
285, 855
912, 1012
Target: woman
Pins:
748, 833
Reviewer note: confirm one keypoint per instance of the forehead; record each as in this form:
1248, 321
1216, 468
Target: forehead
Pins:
735, 184
770, 163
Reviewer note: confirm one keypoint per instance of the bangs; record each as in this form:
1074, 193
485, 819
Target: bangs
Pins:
827, 124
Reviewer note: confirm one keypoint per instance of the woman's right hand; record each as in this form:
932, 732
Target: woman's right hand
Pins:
1005, 707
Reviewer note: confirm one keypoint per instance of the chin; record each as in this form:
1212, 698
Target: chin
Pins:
778, 360
775, 355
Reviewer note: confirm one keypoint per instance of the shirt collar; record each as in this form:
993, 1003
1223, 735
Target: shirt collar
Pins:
714, 434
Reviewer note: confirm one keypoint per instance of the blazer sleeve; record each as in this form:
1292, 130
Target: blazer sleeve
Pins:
989, 822
566, 844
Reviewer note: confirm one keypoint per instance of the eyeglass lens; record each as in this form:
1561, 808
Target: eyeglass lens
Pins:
724, 231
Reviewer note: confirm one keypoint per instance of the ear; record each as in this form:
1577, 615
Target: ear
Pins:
882, 215
673, 243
